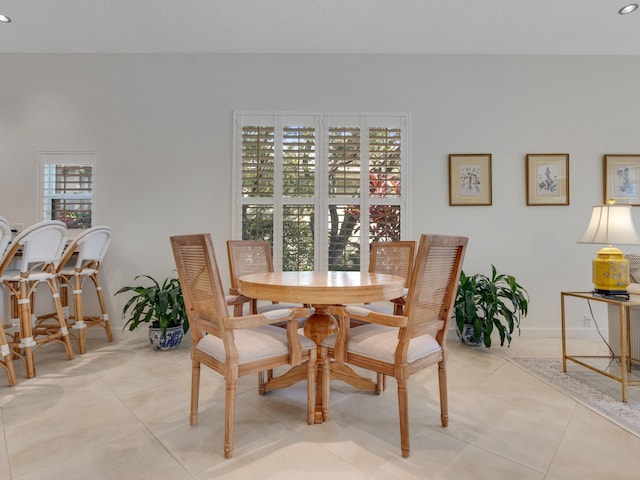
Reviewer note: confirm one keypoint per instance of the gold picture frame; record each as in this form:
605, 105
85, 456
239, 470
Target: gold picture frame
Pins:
470, 179
547, 179
621, 179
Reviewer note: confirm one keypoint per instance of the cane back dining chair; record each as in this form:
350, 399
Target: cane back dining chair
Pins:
81, 261
246, 257
391, 258
37, 251
402, 345
394, 258
238, 345
5, 352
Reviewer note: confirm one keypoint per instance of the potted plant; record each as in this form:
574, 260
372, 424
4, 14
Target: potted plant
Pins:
483, 303
159, 305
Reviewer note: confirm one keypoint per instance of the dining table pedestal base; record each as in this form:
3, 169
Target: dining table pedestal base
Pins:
317, 327
321, 289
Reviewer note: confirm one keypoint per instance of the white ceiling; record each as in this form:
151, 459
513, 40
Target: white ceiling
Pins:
573, 27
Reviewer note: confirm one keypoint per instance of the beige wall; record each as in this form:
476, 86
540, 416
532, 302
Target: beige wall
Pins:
162, 127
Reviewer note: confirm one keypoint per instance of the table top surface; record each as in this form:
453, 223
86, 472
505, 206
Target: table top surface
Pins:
322, 287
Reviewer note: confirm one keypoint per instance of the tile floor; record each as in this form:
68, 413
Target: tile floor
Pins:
121, 412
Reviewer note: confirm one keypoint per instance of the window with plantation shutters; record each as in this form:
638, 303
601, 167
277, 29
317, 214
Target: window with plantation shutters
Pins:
67, 187
320, 187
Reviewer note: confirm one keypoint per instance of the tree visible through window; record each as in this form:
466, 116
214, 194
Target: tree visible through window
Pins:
309, 183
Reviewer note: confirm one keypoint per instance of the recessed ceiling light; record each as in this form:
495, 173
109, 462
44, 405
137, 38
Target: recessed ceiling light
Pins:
4, 19
632, 7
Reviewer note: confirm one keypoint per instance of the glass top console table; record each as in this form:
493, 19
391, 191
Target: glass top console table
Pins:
624, 320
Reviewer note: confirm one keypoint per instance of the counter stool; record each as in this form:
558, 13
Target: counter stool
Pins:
80, 262
5, 351
37, 251
5, 235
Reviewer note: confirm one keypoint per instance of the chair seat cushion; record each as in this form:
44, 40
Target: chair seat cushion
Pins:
67, 272
380, 342
14, 276
253, 344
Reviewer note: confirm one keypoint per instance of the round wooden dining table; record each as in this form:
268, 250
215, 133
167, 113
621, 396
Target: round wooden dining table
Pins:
320, 290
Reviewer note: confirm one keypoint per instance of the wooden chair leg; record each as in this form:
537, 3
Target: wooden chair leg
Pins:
62, 321
403, 408
444, 405
380, 383
195, 392
103, 308
26, 330
229, 414
79, 324
7, 363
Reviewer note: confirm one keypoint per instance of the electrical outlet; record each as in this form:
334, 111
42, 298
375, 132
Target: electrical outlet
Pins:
587, 321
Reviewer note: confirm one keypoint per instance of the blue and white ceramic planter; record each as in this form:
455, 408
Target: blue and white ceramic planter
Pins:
171, 341
466, 336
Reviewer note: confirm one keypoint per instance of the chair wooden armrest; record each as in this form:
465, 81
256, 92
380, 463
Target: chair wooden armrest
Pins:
378, 318
237, 301
344, 327
268, 318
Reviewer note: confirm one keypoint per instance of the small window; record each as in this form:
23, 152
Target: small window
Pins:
67, 186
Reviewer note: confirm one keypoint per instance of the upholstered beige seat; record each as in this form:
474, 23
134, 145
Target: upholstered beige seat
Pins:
5, 352
37, 250
234, 346
402, 345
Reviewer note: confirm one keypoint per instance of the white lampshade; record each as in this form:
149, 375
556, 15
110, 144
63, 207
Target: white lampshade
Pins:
611, 224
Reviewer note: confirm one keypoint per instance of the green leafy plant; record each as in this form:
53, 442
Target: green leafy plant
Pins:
162, 305
486, 302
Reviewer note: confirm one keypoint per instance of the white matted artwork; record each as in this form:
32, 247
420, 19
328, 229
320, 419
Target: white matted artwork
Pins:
621, 179
547, 178
470, 179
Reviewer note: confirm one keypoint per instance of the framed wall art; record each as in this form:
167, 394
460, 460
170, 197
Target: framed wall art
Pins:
470, 179
622, 179
547, 179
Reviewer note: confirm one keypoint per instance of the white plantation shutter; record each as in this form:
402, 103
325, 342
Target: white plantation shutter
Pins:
303, 183
385, 183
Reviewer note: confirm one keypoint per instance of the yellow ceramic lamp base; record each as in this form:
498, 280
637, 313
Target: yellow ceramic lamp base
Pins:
610, 271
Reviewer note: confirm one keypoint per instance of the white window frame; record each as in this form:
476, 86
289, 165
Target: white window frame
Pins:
321, 121
53, 158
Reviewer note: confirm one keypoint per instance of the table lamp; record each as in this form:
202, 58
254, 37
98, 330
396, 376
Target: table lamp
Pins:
611, 224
